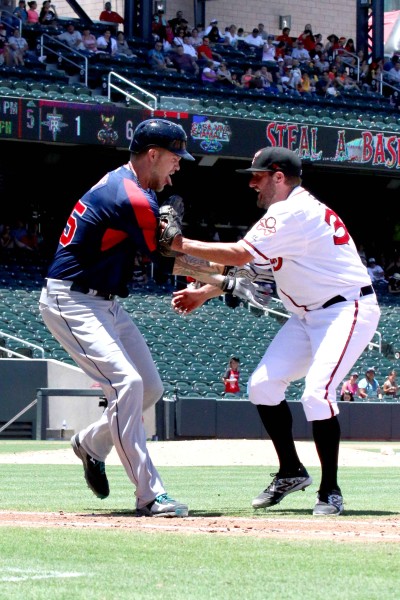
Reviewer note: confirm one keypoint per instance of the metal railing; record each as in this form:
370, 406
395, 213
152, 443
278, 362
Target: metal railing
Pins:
134, 87
382, 83
15, 20
343, 51
11, 352
46, 48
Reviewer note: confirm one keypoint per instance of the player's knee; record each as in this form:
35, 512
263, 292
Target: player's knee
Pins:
266, 392
152, 394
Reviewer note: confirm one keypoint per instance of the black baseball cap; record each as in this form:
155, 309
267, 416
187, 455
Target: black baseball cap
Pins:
275, 159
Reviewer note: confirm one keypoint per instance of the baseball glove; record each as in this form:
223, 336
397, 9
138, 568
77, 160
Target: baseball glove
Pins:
251, 272
170, 224
257, 295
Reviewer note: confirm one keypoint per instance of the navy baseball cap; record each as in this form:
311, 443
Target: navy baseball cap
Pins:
275, 159
161, 133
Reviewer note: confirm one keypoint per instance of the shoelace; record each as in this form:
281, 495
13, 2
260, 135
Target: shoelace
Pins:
164, 498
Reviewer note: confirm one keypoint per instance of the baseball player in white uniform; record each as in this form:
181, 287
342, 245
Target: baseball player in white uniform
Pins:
322, 282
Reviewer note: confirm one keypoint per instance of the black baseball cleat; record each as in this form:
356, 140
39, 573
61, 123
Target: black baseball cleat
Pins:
282, 485
94, 470
329, 503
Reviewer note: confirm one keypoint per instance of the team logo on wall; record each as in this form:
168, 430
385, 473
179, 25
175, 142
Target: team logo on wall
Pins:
107, 134
211, 135
54, 122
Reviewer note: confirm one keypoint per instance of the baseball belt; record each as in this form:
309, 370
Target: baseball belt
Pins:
364, 291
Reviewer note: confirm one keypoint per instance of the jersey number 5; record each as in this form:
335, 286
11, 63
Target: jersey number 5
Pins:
341, 236
70, 228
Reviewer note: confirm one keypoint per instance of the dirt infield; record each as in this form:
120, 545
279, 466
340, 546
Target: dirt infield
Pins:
215, 453
317, 528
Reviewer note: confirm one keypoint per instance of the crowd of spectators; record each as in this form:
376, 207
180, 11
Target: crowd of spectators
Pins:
304, 65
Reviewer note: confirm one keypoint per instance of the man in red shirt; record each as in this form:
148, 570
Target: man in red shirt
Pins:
205, 52
110, 15
285, 37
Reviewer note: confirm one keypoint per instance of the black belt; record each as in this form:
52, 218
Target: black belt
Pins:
75, 287
364, 291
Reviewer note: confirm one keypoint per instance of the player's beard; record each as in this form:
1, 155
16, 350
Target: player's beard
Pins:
267, 194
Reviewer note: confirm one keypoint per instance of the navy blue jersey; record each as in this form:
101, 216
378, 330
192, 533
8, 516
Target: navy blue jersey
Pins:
113, 220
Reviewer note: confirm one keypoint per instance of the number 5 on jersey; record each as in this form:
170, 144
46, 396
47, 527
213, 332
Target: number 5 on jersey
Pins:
70, 228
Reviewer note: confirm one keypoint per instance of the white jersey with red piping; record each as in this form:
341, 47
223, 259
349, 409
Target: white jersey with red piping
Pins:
310, 251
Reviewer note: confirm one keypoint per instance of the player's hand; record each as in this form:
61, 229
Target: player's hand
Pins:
187, 300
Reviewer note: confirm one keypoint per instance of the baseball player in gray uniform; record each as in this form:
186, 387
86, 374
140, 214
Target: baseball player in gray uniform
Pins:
93, 265
322, 282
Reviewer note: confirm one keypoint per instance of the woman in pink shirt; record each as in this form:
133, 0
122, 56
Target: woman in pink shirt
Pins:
33, 15
351, 385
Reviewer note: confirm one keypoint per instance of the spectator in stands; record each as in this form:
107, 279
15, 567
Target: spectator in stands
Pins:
188, 48
21, 12
257, 83
213, 23
48, 14
205, 52
7, 241
178, 38
254, 40
318, 39
285, 37
368, 387
268, 79
393, 75
307, 38
209, 73
236, 80
377, 274
107, 44
184, 63
5, 58
347, 397
18, 47
332, 89
332, 44
89, 41
157, 58
393, 266
159, 25
263, 33
214, 35
322, 65
110, 15
269, 50
195, 39
176, 22
247, 77
394, 283
307, 84
231, 376
280, 51
33, 15
316, 51
224, 75
9, 20
71, 37
351, 385
123, 48
300, 53
230, 36
390, 387
350, 46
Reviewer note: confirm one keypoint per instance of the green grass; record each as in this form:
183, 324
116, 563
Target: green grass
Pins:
97, 565
208, 490
123, 564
